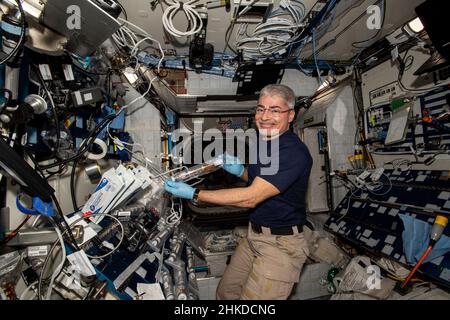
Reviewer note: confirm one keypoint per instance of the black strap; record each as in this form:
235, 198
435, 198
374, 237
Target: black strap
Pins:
280, 231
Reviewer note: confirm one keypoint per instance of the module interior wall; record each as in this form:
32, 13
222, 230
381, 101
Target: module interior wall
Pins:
341, 127
387, 73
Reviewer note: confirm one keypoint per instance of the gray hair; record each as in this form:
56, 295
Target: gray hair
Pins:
281, 91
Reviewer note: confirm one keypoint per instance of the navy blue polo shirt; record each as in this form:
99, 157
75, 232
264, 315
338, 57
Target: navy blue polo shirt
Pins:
291, 179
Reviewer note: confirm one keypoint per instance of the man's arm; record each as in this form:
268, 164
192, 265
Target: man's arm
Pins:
249, 197
244, 175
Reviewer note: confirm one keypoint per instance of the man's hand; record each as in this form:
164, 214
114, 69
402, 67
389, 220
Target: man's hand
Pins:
232, 165
179, 189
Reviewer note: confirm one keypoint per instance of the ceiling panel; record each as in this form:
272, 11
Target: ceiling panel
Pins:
351, 26
398, 12
141, 13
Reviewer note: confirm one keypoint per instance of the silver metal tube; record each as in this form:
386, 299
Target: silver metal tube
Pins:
179, 275
158, 241
167, 284
177, 248
193, 285
195, 172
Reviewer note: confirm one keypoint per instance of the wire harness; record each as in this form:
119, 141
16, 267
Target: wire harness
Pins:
195, 23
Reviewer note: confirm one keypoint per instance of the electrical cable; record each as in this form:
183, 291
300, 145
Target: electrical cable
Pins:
126, 38
398, 164
409, 63
348, 205
119, 243
142, 96
59, 267
315, 57
47, 259
72, 185
117, 141
27, 289
229, 31
360, 120
8, 100
276, 34
175, 215
379, 186
305, 40
87, 143
55, 113
370, 187
13, 234
123, 10
88, 72
60, 171
192, 16
402, 69
343, 31
36, 220
28, 153
64, 222
84, 146
55, 275
355, 60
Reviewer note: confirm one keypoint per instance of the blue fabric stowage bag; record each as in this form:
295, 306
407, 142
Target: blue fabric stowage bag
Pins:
416, 239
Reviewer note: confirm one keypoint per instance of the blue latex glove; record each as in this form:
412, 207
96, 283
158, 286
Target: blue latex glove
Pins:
179, 189
232, 165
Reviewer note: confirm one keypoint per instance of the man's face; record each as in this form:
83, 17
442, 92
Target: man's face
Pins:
275, 118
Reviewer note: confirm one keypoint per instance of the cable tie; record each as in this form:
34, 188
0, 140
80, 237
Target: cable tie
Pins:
23, 209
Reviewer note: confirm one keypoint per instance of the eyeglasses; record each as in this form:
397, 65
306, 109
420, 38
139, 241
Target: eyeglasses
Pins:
275, 112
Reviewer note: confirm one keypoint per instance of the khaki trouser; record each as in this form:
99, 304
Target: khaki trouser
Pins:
264, 267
